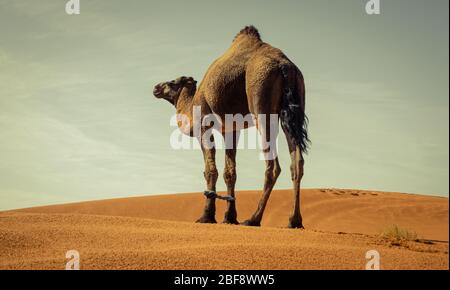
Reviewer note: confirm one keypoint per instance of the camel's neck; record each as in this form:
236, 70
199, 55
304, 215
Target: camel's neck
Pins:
185, 103
184, 107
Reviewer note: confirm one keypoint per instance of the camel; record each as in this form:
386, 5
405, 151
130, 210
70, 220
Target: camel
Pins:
251, 77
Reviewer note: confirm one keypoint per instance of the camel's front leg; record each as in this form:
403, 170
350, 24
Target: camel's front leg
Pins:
229, 175
211, 174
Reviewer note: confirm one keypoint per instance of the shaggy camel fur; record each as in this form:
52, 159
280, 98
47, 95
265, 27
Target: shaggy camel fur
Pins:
250, 77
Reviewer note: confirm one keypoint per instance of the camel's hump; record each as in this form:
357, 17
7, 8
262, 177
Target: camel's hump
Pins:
249, 30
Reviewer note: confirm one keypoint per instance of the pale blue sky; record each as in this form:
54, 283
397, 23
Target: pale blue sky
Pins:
78, 120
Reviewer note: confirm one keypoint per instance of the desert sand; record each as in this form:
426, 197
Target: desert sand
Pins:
158, 232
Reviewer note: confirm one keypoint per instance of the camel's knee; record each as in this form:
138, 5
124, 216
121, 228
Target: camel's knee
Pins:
273, 171
297, 169
300, 168
211, 174
276, 170
229, 176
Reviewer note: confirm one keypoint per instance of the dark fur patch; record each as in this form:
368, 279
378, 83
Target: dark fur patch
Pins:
249, 30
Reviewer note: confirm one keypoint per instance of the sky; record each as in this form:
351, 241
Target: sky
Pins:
78, 120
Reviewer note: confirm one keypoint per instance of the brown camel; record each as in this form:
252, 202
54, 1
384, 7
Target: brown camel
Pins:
251, 77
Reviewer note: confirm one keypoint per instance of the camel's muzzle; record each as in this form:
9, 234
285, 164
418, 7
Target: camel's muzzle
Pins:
157, 92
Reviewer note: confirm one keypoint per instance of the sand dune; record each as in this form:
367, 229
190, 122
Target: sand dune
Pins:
157, 232
332, 210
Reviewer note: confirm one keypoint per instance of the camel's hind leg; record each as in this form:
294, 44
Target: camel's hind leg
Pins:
264, 102
272, 172
294, 123
297, 162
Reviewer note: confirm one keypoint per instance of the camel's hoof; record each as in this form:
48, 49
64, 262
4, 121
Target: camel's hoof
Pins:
230, 221
251, 223
230, 218
295, 224
206, 220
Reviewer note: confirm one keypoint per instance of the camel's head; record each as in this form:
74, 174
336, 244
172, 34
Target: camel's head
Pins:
171, 90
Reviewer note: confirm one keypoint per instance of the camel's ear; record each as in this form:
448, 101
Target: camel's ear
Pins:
192, 84
191, 81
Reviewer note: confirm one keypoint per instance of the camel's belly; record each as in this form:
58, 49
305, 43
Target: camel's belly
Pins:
237, 124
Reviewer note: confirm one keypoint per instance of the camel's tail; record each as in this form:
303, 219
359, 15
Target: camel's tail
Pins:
293, 118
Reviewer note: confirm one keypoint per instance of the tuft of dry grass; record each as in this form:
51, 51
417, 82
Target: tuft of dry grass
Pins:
398, 234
